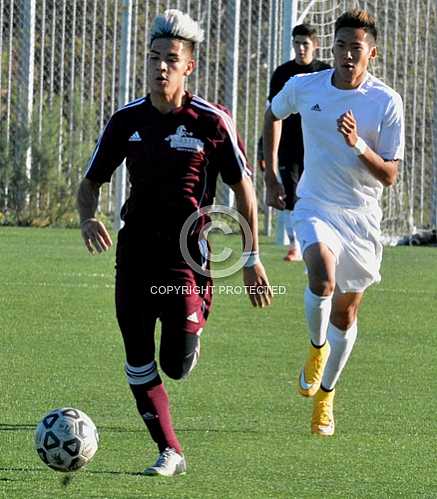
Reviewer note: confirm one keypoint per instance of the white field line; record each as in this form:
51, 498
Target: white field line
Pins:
75, 275
80, 274
404, 291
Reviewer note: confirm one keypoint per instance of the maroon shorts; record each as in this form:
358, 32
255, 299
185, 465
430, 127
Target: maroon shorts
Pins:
156, 283
183, 301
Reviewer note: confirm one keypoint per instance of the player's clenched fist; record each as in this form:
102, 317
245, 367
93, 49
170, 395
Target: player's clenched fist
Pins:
347, 126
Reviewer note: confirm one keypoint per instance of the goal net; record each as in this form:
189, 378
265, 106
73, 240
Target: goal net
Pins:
64, 64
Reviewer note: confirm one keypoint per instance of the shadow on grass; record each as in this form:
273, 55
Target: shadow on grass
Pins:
117, 429
86, 472
16, 427
31, 427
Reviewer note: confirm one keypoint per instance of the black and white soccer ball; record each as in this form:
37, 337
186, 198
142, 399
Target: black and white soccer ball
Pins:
66, 439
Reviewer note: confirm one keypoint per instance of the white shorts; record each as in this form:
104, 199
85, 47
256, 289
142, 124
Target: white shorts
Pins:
353, 236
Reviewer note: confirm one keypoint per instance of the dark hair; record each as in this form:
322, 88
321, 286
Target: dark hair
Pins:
304, 30
357, 18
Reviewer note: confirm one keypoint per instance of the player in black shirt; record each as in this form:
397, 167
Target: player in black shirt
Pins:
290, 154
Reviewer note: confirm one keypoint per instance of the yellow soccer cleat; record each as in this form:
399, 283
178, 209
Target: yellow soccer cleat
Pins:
311, 374
322, 422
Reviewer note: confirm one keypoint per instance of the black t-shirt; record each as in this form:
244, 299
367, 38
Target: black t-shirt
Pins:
291, 145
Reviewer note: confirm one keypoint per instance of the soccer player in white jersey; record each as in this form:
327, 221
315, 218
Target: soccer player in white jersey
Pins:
353, 129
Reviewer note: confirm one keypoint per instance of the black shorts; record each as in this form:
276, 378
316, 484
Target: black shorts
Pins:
154, 282
290, 175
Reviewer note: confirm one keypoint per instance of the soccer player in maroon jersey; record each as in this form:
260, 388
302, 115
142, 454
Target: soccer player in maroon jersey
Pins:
175, 145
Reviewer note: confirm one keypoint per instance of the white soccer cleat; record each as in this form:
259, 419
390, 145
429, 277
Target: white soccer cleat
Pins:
169, 463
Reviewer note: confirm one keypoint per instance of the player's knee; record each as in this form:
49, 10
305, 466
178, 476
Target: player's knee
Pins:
172, 369
344, 319
322, 286
173, 372
320, 263
179, 368
178, 365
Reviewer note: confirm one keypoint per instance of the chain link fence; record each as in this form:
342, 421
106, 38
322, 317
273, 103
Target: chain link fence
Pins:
63, 66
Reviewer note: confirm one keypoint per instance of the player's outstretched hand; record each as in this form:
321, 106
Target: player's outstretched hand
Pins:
95, 236
275, 193
257, 285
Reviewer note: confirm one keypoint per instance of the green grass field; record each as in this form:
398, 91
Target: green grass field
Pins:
244, 428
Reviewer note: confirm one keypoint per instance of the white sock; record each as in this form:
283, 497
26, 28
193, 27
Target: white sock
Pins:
341, 343
289, 227
281, 231
317, 311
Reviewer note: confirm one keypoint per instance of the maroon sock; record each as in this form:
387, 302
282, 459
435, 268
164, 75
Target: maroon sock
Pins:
154, 407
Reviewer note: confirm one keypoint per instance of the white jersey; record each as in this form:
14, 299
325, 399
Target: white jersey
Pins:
333, 173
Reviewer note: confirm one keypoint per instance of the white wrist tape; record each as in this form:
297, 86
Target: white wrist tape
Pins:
359, 147
250, 258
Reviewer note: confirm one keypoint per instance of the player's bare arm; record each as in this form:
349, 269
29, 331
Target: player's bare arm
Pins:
271, 139
254, 276
94, 233
385, 171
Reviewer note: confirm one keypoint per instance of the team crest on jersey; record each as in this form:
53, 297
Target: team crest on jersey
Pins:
183, 140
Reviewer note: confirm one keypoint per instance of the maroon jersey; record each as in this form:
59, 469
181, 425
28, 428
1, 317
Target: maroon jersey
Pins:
173, 159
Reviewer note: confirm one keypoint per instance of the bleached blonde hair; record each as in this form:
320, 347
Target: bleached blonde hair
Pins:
175, 24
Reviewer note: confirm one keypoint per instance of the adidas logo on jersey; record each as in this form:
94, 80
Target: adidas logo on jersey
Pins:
135, 137
316, 107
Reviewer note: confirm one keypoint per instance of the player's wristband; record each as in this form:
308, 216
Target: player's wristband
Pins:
250, 258
359, 147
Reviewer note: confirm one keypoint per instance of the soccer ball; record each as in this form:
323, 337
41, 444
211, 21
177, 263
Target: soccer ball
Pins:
66, 439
